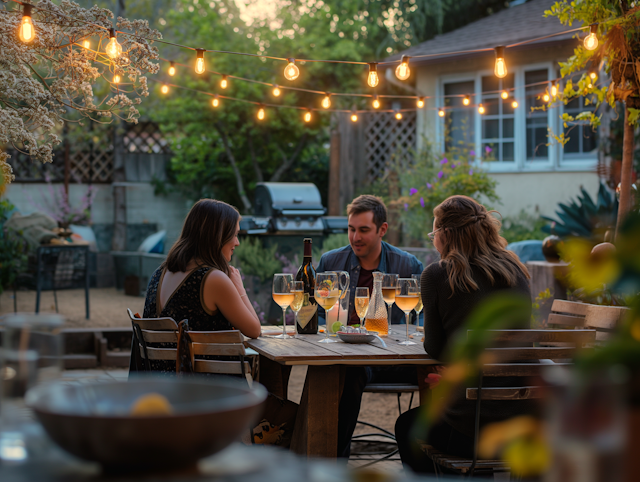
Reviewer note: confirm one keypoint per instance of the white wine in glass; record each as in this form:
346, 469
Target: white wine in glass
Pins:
326, 293
407, 296
298, 301
362, 305
283, 295
419, 306
389, 282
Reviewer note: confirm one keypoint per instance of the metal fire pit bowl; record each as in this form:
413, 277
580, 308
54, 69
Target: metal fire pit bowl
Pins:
92, 421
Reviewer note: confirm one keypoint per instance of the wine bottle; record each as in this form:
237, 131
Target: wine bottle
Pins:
308, 314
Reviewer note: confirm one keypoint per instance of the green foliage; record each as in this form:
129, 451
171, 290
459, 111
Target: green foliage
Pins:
13, 249
584, 218
522, 227
540, 307
255, 260
333, 241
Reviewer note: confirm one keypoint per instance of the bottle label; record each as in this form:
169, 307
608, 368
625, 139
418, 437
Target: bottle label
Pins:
307, 312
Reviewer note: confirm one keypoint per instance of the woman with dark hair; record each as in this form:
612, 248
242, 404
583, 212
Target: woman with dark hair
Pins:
196, 282
474, 264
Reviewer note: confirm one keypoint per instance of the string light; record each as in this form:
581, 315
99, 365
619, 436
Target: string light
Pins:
26, 30
403, 71
116, 79
501, 66
291, 71
514, 104
480, 109
326, 101
591, 40
399, 115
420, 102
224, 83
373, 80
307, 116
261, 113
546, 97
593, 74
200, 61
354, 115
376, 102
113, 49
504, 94
441, 112
554, 88
164, 89
466, 100
86, 44
276, 91
590, 85
216, 101
172, 69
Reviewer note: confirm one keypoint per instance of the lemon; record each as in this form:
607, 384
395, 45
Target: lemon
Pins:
150, 405
336, 327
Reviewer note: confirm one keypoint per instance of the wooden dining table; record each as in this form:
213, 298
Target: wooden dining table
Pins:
316, 429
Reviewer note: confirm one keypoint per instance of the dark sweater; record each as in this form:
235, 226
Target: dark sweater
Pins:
444, 315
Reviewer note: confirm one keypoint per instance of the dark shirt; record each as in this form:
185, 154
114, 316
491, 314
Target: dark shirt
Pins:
364, 281
444, 315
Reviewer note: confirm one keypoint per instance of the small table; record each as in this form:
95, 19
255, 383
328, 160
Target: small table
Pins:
316, 430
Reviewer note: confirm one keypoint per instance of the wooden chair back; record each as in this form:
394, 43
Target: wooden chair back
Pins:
572, 314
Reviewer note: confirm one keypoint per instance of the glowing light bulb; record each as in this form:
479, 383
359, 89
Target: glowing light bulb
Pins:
403, 71
420, 102
554, 89
593, 75
514, 104
373, 79
480, 109
590, 85
376, 102
200, 61
326, 101
354, 115
172, 69
441, 112
216, 101
291, 71
276, 91
504, 94
399, 115
224, 83
307, 116
591, 40
261, 113
501, 66
116, 79
26, 30
466, 100
164, 89
113, 49
546, 97
86, 44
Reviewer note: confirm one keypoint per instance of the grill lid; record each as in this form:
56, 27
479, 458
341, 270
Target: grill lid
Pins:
275, 199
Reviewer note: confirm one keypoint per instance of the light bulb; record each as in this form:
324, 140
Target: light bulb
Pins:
261, 113
354, 117
172, 69
224, 83
113, 49
373, 79
164, 89
504, 95
480, 109
589, 85
591, 40
420, 102
501, 66
399, 115
116, 79
216, 101
291, 71
441, 112
593, 75
554, 89
307, 116
546, 97
200, 61
514, 104
403, 71
466, 100
376, 102
276, 91
326, 102
26, 30
86, 44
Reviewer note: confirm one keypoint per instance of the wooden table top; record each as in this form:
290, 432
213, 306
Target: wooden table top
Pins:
306, 350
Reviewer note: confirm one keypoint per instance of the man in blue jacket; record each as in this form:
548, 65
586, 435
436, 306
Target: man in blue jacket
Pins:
365, 254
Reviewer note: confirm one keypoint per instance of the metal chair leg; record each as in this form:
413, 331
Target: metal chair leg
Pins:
55, 299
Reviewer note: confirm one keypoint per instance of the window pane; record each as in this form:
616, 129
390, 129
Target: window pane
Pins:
532, 92
491, 129
507, 128
573, 144
540, 143
590, 139
491, 107
490, 83
537, 120
491, 151
508, 152
459, 119
507, 108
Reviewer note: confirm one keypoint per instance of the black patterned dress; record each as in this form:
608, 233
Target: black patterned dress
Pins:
185, 303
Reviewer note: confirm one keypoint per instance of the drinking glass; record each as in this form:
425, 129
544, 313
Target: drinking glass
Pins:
389, 282
298, 300
283, 296
407, 296
343, 281
327, 292
419, 306
362, 305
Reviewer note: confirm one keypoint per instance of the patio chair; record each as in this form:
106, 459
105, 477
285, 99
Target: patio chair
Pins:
514, 360
577, 315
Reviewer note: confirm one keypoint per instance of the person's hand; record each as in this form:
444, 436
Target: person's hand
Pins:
236, 279
433, 379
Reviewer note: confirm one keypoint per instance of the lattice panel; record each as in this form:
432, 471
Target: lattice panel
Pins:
26, 169
386, 137
145, 137
99, 169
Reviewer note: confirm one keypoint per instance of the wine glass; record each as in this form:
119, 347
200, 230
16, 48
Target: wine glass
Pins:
343, 280
298, 299
327, 292
283, 296
407, 296
389, 282
362, 305
419, 306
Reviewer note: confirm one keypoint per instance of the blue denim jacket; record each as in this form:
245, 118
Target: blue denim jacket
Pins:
392, 260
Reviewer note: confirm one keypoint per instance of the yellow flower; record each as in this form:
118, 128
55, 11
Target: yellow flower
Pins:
587, 271
527, 457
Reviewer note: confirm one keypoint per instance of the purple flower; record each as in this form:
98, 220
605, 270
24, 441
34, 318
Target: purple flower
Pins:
440, 174
472, 153
413, 191
471, 172
406, 207
487, 149
453, 166
429, 186
422, 201
444, 161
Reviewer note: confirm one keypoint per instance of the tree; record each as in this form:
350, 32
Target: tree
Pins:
618, 25
46, 80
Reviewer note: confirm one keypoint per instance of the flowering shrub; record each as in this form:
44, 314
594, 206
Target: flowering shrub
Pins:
61, 210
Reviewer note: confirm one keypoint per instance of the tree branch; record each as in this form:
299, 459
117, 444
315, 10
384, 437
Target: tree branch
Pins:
287, 163
234, 166
254, 160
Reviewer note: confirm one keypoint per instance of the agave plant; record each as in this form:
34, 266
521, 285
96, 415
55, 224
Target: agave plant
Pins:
584, 218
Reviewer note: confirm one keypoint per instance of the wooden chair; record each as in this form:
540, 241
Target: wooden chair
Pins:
512, 356
573, 314
228, 343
